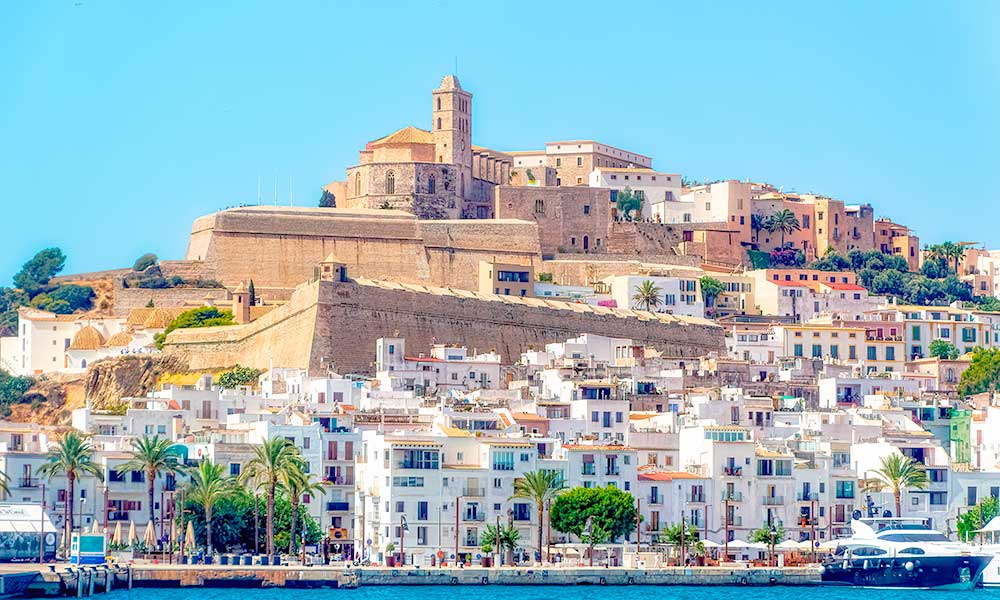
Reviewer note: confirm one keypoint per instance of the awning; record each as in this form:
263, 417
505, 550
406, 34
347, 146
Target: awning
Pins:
992, 527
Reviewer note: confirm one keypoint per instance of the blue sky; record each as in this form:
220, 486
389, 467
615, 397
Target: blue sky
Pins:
120, 122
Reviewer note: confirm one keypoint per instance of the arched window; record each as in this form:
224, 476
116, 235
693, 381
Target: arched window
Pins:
439, 122
431, 184
357, 184
586, 243
439, 104
390, 183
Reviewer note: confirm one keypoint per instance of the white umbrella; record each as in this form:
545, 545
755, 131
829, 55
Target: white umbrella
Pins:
94, 529
117, 537
788, 545
189, 537
711, 544
738, 544
150, 536
132, 539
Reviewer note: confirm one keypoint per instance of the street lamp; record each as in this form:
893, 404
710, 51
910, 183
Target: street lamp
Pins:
403, 528
774, 533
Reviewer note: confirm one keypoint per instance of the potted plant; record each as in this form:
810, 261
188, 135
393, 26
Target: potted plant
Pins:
390, 557
487, 559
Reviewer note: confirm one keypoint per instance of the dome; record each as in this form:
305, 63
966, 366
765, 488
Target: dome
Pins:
158, 319
87, 338
119, 340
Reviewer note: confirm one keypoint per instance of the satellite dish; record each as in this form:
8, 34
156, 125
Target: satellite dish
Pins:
887, 514
856, 514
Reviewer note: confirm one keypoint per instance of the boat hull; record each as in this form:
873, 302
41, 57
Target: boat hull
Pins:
937, 572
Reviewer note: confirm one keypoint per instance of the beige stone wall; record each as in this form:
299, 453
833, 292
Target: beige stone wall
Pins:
278, 247
570, 271
338, 322
127, 299
569, 219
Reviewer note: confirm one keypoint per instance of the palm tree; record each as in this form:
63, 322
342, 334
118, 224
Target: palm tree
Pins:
898, 472
296, 483
647, 296
952, 252
784, 221
271, 462
757, 223
151, 455
4, 489
540, 486
207, 487
71, 456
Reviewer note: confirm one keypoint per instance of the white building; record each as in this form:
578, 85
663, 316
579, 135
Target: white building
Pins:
447, 368
677, 295
653, 188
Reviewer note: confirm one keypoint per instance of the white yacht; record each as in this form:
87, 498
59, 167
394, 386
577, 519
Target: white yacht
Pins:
903, 552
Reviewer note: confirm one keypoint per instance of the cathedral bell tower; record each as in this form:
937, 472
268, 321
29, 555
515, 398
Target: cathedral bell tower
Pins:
452, 129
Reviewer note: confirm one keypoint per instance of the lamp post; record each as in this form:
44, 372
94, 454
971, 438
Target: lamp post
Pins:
773, 534
812, 525
403, 528
497, 543
41, 531
510, 525
548, 533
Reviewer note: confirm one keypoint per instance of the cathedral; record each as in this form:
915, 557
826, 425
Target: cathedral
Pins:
435, 173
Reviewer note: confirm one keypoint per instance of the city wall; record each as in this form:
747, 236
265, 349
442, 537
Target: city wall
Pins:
279, 247
330, 325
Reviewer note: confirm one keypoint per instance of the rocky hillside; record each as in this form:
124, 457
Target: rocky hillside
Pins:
110, 380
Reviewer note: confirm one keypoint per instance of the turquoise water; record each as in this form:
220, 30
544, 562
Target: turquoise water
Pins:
495, 592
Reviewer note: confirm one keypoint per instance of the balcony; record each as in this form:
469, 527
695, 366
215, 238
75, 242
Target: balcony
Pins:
807, 522
654, 500
733, 496
696, 498
731, 471
474, 516
338, 506
471, 541
118, 515
734, 522
473, 492
28, 482
588, 469
807, 496
613, 471
772, 500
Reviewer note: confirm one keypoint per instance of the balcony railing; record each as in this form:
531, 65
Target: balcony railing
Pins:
338, 506
807, 496
471, 541
473, 492
118, 515
613, 471
28, 482
773, 500
734, 521
733, 496
474, 516
729, 471
697, 498
588, 469
654, 500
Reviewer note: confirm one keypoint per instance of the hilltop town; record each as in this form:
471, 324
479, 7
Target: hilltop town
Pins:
451, 318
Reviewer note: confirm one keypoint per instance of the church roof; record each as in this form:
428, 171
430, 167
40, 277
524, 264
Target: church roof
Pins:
87, 338
159, 318
406, 135
119, 340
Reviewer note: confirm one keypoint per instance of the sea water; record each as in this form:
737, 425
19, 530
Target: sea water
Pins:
554, 592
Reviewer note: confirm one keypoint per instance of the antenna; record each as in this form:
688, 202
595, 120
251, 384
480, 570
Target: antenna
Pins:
258, 188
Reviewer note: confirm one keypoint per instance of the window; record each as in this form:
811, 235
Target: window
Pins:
234, 469
586, 209
431, 184
422, 510
872, 353
439, 103
539, 207
817, 351
558, 162
890, 353
915, 333
579, 161
357, 184
845, 489
439, 122
797, 351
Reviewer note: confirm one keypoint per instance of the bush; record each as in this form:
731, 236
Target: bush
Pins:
155, 283
144, 262
203, 316
176, 281
547, 277
78, 297
759, 259
238, 376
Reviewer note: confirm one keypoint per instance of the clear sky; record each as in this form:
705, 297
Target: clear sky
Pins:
120, 122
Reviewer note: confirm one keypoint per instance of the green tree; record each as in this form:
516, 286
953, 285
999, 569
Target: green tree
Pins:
758, 223
271, 462
984, 303
238, 376
898, 473
144, 262
72, 456
296, 483
76, 297
541, 487
943, 349
710, 290
977, 517
831, 261
204, 316
152, 456
35, 274
327, 200
770, 535
207, 486
13, 388
252, 292
594, 515
647, 296
628, 203
983, 372
783, 221
507, 541
692, 537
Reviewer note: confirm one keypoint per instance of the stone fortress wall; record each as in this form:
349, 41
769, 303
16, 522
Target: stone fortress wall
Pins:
278, 247
334, 325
